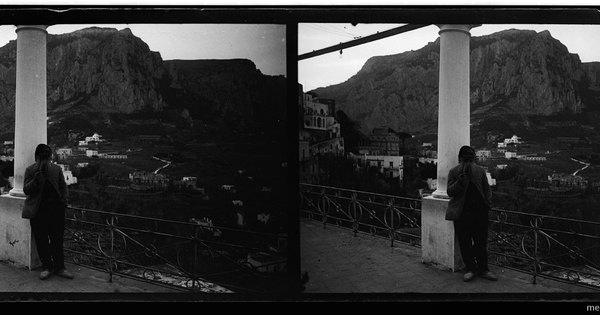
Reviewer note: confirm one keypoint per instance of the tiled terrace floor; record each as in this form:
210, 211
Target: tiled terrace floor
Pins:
19, 283
337, 262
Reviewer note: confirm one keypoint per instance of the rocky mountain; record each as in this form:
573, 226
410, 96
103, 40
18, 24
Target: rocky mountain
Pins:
514, 74
103, 70
592, 69
226, 88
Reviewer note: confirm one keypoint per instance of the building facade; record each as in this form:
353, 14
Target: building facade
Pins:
319, 132
381, 141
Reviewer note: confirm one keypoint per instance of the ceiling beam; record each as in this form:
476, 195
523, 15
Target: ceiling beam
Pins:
362, 40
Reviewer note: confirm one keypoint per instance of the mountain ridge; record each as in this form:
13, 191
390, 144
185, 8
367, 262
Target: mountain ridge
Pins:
106, 70
512, 71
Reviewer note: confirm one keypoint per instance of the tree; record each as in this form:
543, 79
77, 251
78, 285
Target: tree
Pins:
403, 136
350, 132
428, 170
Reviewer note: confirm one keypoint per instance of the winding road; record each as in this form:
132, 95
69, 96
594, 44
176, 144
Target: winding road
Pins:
581, 169
167, 163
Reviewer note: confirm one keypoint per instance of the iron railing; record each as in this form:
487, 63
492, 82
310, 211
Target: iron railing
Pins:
392, 217
181, 255
557, 248
546, 246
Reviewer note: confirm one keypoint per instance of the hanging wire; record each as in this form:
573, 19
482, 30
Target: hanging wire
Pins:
331, 29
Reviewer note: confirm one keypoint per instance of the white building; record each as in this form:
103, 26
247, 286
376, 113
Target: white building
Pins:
514, 139
6, 158
501, 145
82, 164
432, 183
483, 154
94, 138
391, 165
383, 160
91, 153
82, 143
64, 152
69, 178
113, 156
510, 155
532, 158
316, 115
501, 166
491, 181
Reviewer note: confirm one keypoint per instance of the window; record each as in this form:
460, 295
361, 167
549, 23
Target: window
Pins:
391, 164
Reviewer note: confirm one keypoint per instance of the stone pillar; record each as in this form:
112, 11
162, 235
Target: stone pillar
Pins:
17, 244
453, 110
30, 99
439, 245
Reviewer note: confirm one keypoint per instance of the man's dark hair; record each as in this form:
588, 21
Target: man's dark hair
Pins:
43, 152
466, 153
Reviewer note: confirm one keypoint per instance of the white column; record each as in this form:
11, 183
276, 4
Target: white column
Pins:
439, 244
30, 102
453, 112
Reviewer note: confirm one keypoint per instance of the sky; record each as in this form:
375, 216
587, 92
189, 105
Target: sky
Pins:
264, 44
334, 68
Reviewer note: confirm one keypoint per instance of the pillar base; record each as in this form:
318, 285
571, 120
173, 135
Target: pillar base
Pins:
440, 194
439, 244
17, 245
16, 192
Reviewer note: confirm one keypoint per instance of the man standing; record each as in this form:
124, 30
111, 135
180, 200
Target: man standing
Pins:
45, 204
470, 201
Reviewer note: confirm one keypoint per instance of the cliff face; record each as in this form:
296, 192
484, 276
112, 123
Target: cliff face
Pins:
106, 70
226, 88
512, 72
592, 70
110, 71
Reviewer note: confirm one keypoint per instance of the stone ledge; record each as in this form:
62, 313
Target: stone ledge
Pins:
439, 245
17, 245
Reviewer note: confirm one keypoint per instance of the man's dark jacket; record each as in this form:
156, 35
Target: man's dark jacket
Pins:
33, 187
457, 189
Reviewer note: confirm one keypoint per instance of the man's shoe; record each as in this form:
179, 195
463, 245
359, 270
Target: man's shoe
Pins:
468, 276
488, 275
45, 274
65, 274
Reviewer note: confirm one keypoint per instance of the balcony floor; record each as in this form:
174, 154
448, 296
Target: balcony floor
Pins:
337, 262
21, 283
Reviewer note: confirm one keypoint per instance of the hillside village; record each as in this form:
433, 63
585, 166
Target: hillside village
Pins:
117, 176
558, 167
